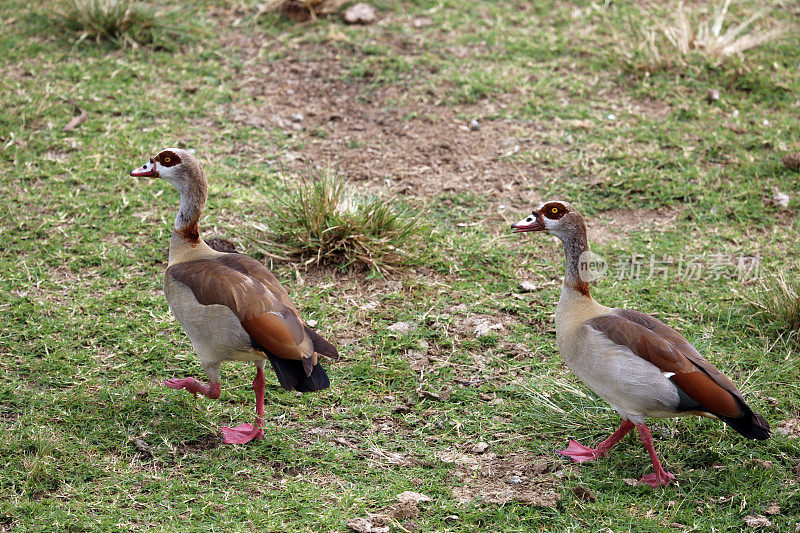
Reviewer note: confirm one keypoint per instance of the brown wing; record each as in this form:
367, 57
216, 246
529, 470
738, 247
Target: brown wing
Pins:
255, 297
656, 342
254, 269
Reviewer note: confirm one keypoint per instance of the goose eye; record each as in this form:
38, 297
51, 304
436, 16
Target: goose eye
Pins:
554, 210
166, 160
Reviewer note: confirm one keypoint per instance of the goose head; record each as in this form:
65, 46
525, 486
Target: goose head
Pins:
177, 166
555, 217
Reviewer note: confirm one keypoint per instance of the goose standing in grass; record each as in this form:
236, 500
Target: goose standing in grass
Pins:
636, 363
230, 305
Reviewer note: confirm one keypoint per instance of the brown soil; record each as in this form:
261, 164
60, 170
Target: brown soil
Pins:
620, 223
500, 479
379, 136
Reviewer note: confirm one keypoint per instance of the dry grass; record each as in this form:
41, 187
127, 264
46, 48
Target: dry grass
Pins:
323, 222
301, 10
777, 300
124, 22
667, 42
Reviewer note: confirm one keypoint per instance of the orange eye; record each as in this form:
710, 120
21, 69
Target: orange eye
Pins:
166, 160
554, 210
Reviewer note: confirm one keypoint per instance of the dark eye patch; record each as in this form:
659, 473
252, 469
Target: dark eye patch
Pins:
554, 210
168, 158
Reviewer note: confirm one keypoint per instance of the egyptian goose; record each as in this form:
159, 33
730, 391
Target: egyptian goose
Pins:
231, 307
636, 363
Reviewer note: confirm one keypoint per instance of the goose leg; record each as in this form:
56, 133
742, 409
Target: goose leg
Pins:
580, 453
212, 390
660, 476
245, 432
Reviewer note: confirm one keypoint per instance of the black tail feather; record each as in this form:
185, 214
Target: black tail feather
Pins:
292, 376
753, 426
321, 345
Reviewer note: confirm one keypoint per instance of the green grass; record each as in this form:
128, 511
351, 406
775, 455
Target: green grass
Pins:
88, 339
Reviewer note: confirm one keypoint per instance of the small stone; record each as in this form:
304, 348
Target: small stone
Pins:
513, 480
780, 199
735, 113
611, 116
298, 117
360, 13
479, 447
311, 323
527, 286
474, 125
713, 95
421, 22
766, 122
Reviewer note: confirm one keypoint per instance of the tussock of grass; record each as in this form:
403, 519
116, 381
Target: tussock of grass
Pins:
777, 301
125, 22
301, 10
558, 404
323, 222
661, 43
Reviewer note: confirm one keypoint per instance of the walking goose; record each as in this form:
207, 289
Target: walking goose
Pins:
636, 363
230, 305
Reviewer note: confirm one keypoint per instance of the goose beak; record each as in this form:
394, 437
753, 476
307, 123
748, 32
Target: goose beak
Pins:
530, 223
148, 170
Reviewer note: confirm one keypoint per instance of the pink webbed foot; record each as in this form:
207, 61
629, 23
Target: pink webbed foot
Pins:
242, 434
176, 383
580, 453
195, 387
657, 479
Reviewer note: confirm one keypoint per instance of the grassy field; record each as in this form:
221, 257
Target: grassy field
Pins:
91, 440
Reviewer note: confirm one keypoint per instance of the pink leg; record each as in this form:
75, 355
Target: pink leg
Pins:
580, 453
211, 390
245, 432
660, 476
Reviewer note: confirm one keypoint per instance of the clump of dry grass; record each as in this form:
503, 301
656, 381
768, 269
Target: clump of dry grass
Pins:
661, 43
777, 302
301, 10
322, 222
125, 22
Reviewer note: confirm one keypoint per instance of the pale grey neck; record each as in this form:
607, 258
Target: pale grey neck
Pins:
189, 212
573, 248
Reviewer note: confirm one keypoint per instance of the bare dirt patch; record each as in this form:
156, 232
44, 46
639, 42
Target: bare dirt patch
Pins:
378, 136
499, 479
207, 442
618, 224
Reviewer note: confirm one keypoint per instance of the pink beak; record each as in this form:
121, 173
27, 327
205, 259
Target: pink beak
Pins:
148, 170
530, 223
